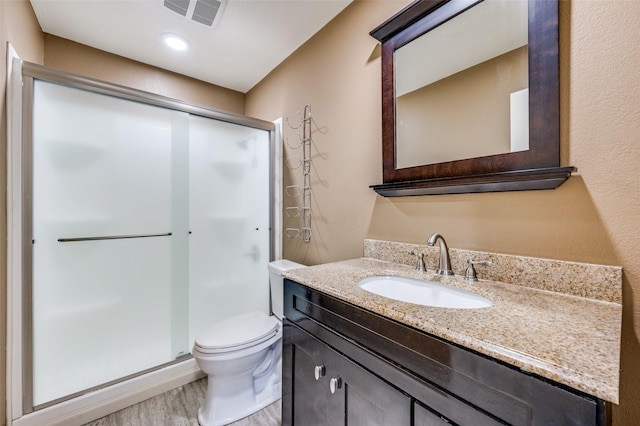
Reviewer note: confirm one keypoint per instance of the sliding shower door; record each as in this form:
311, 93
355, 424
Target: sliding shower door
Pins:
148, 225
229, 221
102, 239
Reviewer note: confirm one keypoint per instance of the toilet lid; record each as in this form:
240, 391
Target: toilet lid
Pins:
240, 331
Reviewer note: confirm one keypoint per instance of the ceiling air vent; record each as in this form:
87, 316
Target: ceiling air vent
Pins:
206, 12
178, 6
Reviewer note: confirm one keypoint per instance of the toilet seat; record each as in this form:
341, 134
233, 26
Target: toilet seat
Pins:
237, 333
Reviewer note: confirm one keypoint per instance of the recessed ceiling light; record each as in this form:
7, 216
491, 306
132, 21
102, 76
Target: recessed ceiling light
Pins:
175, 41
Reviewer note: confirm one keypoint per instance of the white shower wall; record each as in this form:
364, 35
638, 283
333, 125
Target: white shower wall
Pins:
110, 167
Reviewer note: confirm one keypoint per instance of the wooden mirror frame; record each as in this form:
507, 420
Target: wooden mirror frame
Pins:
536, 168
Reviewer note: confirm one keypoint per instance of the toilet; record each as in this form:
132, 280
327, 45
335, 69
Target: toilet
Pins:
242, 357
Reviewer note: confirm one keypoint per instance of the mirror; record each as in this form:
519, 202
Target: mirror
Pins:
464, 81
470, 97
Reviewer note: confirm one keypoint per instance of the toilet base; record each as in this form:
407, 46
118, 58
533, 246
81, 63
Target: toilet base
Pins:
267, 397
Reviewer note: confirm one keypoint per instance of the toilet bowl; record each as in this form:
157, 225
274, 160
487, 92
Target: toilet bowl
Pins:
242, 359
231, 352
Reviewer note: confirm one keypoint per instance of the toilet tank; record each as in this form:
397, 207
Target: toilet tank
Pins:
276, 283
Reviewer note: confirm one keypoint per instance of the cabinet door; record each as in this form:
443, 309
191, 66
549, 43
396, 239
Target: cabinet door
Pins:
367, 399
357, 397
313, 403
424, 417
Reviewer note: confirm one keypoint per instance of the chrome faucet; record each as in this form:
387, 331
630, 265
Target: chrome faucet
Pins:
444, 263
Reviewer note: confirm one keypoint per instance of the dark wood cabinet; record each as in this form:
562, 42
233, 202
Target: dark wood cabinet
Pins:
345, 365
329, 389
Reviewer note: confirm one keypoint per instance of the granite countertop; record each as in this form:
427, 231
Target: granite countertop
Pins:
566, 338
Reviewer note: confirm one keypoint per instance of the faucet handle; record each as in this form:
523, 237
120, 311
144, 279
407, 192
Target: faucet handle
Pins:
470, 272
419, 261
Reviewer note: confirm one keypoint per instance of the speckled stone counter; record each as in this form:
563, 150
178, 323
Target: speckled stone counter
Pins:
569, 339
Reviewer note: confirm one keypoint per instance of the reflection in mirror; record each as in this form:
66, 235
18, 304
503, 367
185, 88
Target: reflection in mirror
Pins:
462, 88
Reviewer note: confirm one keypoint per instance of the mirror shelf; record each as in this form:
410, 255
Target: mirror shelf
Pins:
536, 166
521, 180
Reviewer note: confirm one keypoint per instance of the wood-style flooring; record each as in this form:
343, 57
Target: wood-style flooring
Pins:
179, 407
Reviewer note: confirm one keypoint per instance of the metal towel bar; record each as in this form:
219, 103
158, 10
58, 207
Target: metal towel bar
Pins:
111, 237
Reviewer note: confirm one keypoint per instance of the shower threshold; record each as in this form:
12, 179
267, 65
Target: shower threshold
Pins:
99, 403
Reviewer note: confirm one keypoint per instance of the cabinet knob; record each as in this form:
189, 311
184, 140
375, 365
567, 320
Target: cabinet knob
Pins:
335, 384
320, 371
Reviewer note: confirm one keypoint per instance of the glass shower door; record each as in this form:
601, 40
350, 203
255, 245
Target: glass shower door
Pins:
229, 217
148, 225
104, 170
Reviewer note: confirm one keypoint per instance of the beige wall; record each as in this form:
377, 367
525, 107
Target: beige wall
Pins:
338, 73
594, 217
69, 56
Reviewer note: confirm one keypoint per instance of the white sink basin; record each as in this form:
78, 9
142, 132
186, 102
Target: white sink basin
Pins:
427, 293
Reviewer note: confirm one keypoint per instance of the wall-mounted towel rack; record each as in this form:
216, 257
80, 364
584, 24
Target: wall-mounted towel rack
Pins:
303, 191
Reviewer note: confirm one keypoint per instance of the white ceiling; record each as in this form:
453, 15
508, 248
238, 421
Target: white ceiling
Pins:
248, 41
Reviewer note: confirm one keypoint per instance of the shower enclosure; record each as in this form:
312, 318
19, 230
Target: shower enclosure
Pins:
143, 220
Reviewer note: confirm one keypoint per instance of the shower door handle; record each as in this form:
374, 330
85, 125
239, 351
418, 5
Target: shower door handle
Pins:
111, 237
254, 254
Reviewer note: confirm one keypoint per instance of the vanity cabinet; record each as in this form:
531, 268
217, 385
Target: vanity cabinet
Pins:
343, 364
